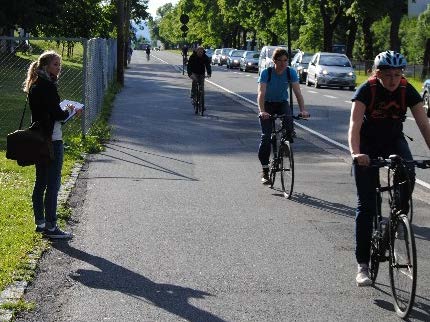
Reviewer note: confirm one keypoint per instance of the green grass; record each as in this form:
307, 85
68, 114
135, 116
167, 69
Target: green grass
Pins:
417, 83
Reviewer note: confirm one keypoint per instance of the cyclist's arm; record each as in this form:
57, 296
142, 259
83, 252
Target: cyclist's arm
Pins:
261, 95
422, 121
355, 123
300, 100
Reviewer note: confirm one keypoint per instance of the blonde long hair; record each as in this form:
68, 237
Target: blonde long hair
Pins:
40, 65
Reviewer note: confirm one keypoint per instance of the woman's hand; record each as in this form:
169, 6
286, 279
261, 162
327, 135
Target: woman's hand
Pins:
264, 115
361, 159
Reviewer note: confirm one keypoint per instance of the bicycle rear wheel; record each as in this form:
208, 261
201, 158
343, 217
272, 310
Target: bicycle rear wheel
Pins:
286, 167
403, 265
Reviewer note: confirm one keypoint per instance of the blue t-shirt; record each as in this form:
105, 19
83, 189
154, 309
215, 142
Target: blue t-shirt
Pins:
278, 87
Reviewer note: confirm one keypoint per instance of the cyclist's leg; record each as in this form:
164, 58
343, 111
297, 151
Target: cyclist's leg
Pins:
265, 148
366, 179
193, 86
202, 87
288, 120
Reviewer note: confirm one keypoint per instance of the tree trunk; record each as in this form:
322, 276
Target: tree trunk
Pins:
426, 60
352, 33
120, 43
395, 16
368, 43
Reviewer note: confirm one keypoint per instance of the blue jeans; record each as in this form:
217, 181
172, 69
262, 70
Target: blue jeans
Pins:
46, 187
266, 128
366, 180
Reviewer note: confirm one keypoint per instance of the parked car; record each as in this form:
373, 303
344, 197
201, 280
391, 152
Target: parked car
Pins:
224, 54
233, 58
216, 56
426, 96
265, 59
300, 62
249, 61
330, 69
209, 53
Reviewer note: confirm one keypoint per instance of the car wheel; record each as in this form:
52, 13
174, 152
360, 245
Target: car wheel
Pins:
426, 98
351, 88
316, 85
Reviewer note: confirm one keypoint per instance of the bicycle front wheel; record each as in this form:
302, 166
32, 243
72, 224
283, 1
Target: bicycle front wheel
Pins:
287, 168
403, 265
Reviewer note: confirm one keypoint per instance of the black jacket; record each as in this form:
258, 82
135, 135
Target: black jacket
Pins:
198, 64
44, 103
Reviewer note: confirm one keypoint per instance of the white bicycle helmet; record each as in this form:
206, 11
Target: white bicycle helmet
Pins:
390, 59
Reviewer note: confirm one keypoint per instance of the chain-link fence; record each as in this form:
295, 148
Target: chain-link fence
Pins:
412, 70
88, 67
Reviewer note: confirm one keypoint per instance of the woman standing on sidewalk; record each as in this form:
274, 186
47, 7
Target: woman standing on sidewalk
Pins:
44, 101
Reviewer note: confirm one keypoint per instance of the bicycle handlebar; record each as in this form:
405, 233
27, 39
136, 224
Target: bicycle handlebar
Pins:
394, 160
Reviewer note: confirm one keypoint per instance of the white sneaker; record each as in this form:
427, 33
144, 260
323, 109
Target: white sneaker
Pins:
362, 278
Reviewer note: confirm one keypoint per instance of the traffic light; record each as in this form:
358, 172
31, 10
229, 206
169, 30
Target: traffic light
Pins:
184, 20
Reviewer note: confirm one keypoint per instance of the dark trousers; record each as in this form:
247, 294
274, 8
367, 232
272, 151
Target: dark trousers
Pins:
266, 128
201, 80
46, 187
366, 180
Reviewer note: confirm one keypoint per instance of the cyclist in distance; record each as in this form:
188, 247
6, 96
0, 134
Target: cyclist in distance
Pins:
197, 64
273, 88
185, 51
148, 52
378, 111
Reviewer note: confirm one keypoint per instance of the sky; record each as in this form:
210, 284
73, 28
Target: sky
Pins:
153, 5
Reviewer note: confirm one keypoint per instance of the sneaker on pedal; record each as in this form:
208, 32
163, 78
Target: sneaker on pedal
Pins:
363, 278
265, 179
57, 233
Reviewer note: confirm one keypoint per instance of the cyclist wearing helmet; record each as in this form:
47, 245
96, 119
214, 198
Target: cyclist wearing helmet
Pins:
376, 130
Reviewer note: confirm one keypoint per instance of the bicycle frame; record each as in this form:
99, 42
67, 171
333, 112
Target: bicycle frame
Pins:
198, 98
396, 232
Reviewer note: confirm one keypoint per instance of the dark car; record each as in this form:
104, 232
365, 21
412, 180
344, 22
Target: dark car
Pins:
300, 62
233, 58
426, 96
249, 61
223, 56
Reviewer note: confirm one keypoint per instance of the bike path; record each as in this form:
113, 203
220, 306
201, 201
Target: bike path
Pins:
172, 224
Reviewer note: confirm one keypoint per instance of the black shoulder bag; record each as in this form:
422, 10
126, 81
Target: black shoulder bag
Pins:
29, 146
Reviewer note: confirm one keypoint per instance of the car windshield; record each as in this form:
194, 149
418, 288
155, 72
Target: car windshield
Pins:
237, 53
306, 59
252, 55
334, 61
225, 51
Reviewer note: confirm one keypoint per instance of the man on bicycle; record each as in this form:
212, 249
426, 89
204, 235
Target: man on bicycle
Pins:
378, 111
273, 99
148, 52
185, 51
196, 68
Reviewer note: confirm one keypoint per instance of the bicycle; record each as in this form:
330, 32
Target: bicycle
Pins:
282, 155
393, 239
199, 96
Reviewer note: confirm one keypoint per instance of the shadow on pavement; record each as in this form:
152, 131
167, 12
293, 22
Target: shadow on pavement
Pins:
172, 298
327, 206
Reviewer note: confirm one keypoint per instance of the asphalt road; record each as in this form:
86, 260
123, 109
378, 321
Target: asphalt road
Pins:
171, 222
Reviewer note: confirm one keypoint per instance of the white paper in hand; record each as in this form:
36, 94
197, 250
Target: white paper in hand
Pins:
77, 106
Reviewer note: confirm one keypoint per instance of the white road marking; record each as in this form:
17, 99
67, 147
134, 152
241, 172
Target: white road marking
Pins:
329, 96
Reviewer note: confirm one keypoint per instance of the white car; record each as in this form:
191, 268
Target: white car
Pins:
265, 59
331, 69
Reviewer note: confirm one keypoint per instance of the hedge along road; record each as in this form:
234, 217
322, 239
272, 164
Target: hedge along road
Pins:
172, 224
